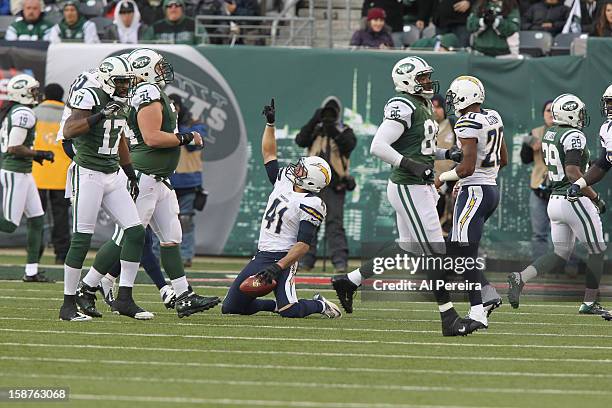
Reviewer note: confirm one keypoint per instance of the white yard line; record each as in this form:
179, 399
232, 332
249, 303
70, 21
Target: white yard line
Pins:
312, 354
309, 328
313, 340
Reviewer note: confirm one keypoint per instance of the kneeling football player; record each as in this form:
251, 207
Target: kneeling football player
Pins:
288, 227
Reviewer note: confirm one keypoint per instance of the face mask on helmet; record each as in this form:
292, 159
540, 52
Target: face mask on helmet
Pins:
164, 71
425, 85
297, 172
606, 106
124, 86
584, 120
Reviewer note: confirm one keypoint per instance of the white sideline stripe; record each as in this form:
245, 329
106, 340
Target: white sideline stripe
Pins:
310, 354
363, 309
199, 336
245, 402
265, 316
417, 388
345, 329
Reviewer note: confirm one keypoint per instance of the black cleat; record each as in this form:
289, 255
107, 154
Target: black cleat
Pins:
491, 305
607, 316
86, 300
106, 289
345, 290
515, 287
124, 305
453, 325
39, 277
189, 303
69, 312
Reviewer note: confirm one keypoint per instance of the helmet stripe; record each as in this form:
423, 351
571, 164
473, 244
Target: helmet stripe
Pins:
125, 65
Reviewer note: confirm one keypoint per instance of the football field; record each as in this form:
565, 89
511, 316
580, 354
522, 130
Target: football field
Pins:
386, 354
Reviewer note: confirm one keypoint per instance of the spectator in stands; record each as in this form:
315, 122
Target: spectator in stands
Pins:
241, 7
187, 180
325, 135
74, 27
531, 152
440, 43
525, 4
492, 22
375, 35
50, 177
151, 11
5, 8
126, 27
449, 16
30, 24
411, 11
603, 27
588, 14
394, 9
176, 28
547, 15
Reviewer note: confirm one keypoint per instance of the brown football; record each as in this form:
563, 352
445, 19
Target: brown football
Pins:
255, 287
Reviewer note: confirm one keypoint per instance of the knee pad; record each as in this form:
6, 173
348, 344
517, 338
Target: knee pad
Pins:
186, 222
36, 222
79, 245
294, 311
134, 234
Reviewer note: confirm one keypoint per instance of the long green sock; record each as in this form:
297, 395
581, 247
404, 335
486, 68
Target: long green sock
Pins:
548, 263
79, 245
595, 265
35, 231
107, 257
171, 261
133, 241
7, 226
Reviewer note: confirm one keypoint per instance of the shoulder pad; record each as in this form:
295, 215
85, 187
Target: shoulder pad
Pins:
399, 109
313, 209
145, 94
573, 139
23, 117
84, 98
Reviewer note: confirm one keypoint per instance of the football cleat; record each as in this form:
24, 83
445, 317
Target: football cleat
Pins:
491, 305
515, 287
190, 302
453, 325
168, 296
345, 290
69, 313
124, 305
39, 277
329, 308
479, 318
86, 300
607, 316
106, 288
594, 309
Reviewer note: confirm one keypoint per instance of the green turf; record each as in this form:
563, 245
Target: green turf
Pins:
385, 354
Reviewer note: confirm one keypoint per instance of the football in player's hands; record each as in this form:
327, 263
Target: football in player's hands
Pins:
269, 111
256, 286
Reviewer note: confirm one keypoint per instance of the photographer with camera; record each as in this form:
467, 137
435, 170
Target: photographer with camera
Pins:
326, 136
492, 22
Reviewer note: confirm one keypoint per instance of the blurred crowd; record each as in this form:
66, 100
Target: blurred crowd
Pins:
489, 27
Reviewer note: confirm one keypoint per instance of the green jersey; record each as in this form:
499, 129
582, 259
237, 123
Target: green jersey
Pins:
160, 162
417, 142
98, 149
556, 142
18, 116
21, 30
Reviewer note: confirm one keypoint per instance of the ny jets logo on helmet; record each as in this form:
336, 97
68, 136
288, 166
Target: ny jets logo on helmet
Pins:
310, 173
23, 89
116, 77
464, 91
152, 67
606, 103
106, 67
412, 75
568, 109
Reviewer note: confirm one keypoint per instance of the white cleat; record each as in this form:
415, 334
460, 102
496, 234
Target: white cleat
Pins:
168, 296
479, 317
329, 308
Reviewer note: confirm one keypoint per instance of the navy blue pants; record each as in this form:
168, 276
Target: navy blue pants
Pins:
287, 304
474, 205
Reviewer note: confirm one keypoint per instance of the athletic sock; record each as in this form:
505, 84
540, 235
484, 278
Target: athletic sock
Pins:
31, 269
172, 262
528, 274
71, 279
93, 278
445, 307
590, 296
107, 257
150, 263
128, 273
595, 266
34, 238
7, 226
355, 276
180, 285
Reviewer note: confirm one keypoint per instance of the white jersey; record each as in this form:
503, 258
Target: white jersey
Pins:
605, 136
86, 79
487, 128
284, 212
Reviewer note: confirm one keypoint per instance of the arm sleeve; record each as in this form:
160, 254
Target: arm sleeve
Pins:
387, 134
90, 33
272, 170
604, 161
23, 118
467, 128
11, 34
144, 95
68, 148
17, 136
84, 99
313, 210
573, 141
510, 24
306, 232
355, 39
526, 154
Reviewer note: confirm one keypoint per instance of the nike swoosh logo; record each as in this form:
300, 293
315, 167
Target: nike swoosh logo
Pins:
461, 330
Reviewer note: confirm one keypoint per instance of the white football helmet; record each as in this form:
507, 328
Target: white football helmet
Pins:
23, 89
606, 103
152, 67
568, 109
463, 92
116, 77
310, 173
405, 73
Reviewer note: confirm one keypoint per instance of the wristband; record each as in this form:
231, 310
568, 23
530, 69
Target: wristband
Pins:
581, 182
184, 138
270, 125
450, 175
95, 118
128, 169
